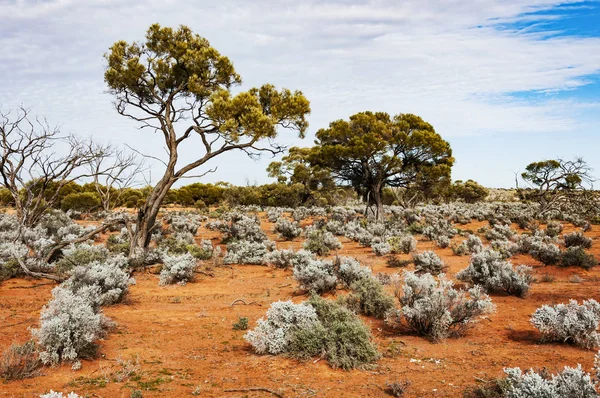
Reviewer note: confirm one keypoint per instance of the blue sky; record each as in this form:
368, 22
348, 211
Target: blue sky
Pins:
506, 82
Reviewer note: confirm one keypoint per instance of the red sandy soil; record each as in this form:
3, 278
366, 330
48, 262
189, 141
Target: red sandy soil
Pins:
182, 340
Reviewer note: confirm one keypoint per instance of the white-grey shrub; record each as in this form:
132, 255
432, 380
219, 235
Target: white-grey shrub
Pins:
570, 383
488, 269
300, 213
577, 238
434, 308
103, 283
505, 248
442, 241
381, 249
246, 228
54, 394
69, 327
287, 229
272, 334
320, 242
245, 252
287, 258
316, 276
273, 213
350, 270
553, 228
177, 269
428, 261
499, 232
547, 253
570, 322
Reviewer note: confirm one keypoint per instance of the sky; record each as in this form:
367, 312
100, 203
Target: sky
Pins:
505, 82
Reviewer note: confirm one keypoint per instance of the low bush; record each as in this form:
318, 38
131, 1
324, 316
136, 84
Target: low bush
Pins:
177, 269
82, 201
287, 258
320, 242
80, 255
577, 239
570, 383
245, 252
487, 269
316, 276
350, 270
381, 248
435, 309
395, 262
69, 328
286, 229
403, 244
102, 284
339, 336
576, 256
53, 394
368, 298
553, 228
570, 322
19, 362
547, 253
428, 261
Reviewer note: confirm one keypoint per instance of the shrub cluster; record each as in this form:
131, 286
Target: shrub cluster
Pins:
571, 382
286, 229
577, 238
320, 242
177, 269
570, 322
487, 269
428, 261
435, 309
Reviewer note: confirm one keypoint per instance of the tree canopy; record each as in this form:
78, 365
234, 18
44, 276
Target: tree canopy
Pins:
176, 83
373, 150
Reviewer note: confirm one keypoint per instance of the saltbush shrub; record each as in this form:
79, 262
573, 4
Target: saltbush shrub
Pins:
340, 337
553, 228
547, 253
177, 269
19, 362
428, 261
570, 322
80, 255
316, 276
577, 238
102, 283
54, 394
287, 258
381, 248
487, 269
245, 252
350, 270
69, 328
368, 298
320, 242
570, 383
286, 229
435, 309
576, 256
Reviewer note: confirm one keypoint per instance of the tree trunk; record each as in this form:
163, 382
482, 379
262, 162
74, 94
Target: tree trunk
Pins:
378, 201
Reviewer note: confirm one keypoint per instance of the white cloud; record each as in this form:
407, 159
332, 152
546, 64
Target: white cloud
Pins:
447, 61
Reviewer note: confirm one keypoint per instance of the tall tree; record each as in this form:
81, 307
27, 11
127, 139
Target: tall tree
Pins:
373, 150
177, 84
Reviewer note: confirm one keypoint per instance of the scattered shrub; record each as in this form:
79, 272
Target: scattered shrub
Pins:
569, 323
547, 253
570, 383
339, 336
245, 252
403, 244
428, 261
381, 249
395, 262
576, 256
320, 242
350, 270
82, 201
577, 239
19, 362
553, 228
487, 269
315, 276
177, 269
80, 255
272, 334
368, 298
435, 309
101, 283
53, 394
286, 229
241, 324
69, 327
396, 388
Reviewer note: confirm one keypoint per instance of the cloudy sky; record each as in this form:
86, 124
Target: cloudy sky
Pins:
505, 82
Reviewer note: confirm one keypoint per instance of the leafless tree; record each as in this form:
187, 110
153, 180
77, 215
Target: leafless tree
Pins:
126, 170
33, 170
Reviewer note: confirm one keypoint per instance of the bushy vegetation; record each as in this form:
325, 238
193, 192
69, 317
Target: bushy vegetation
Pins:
575, 256
367, 297
489, 270
320, 242
570, 383
577, 238
316, 276
571, 322
435, 309
286, 229
429, 262
177, 269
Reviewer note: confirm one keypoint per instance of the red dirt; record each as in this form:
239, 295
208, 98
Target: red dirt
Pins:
183, 339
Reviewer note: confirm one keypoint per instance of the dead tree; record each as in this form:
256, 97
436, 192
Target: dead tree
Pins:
33, 170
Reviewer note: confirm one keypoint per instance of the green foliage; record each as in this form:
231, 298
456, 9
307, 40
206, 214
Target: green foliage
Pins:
373, 150
340, 337
469, 191
577, 257
241, 324
368, 298
9, 269
83, 201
